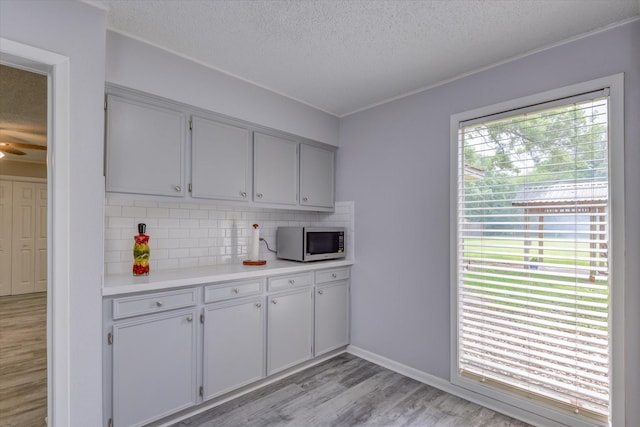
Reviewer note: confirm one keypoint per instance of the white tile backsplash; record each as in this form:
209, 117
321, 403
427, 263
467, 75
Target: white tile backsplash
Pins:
189, 235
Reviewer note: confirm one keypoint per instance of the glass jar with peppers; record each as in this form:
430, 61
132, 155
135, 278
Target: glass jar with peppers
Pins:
141, 252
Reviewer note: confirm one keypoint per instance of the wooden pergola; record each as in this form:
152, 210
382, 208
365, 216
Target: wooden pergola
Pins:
578, 198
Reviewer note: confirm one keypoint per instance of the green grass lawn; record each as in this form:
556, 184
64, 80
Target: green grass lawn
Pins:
556, 252
500, 267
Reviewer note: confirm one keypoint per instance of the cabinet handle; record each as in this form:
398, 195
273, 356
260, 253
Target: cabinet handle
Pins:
258, 305
321, 292
236, 290
159, 303
292, 282
178, 188
305, 199
243, 194
274, 301
190, 319
259, 195
334, 275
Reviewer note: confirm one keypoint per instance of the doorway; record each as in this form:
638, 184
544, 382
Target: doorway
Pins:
23, 246
56, 68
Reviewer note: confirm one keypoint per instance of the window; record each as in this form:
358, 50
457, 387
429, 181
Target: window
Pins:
532, 259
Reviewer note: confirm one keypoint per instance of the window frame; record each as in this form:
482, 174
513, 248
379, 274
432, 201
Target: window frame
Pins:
486, 395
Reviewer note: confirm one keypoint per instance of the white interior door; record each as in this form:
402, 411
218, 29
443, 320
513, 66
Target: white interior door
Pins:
40, 243
6, 201
23, 253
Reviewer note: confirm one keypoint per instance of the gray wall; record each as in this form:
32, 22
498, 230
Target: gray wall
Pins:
77, 31
394, 163
144, 67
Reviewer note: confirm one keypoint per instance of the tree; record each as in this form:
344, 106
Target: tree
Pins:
550, 146
554, 146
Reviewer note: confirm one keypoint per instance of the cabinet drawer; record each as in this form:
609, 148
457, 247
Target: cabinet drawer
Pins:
153, 303
331, 275
289, 281
213, 293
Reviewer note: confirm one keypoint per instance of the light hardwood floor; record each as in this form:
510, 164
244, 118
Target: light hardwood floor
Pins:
23, 360
348, 391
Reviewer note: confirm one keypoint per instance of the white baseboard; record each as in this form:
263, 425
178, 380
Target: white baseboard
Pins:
405, 370
447, 386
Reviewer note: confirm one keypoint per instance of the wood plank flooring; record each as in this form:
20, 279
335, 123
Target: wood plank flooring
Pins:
23, 360
348, 391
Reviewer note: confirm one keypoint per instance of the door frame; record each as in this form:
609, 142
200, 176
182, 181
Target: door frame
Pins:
56, 68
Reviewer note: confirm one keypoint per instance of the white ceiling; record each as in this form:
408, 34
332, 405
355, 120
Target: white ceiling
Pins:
23, 115
342, 56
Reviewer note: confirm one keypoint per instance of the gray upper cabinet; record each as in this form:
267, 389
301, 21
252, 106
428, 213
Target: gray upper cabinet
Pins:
275, 170
220, 159
228, 160
317, 176
145, 146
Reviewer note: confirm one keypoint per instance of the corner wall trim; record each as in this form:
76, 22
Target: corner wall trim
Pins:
402, 369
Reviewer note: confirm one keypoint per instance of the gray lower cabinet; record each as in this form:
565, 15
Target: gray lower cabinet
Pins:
290, 329
331, 317
169, 350
154, 367
233, 345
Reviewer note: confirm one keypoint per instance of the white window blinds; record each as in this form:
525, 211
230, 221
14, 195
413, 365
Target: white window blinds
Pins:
532, 253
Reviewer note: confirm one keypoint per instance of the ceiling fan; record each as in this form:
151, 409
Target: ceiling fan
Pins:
12, 141
13, 147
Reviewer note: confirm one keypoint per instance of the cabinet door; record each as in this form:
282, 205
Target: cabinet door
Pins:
317, 174
144, 148
332, 317
220, 159
6, 213
154, 367
24, 231
233, 345
275, 171
289, 329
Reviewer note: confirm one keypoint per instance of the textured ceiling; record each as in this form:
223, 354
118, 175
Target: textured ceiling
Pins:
345, 55
23, 114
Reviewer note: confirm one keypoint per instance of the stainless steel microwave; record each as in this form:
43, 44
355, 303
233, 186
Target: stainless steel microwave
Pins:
310, 243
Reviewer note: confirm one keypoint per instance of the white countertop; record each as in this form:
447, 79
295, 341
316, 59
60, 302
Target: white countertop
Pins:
119, 284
